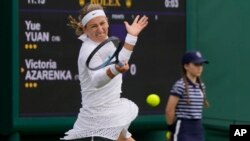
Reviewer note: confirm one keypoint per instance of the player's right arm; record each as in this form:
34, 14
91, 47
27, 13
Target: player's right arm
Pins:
102, 76
112, 73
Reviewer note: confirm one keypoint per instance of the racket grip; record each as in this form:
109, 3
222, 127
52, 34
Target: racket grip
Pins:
120, 64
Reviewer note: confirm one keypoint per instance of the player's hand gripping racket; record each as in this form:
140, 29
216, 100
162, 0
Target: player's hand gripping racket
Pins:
110, 58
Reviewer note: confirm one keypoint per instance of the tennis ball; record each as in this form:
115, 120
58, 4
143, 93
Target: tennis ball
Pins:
168, 135
153, 100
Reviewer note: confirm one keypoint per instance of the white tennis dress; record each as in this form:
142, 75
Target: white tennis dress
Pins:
103, 113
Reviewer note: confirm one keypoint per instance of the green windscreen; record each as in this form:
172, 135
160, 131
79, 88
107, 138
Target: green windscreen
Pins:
220, 29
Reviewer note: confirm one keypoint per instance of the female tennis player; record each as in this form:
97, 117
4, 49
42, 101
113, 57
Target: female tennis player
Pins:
186, 101
104, 115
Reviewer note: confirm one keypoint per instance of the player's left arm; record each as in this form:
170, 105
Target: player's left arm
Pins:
134, 30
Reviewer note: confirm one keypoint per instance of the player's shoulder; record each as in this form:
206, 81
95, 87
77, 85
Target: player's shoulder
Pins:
87, 47
89, 44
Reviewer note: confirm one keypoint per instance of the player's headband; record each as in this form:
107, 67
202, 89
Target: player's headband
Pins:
92, 15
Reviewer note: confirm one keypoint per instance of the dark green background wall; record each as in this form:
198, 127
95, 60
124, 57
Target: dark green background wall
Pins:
222, 33
219, 28
6, 68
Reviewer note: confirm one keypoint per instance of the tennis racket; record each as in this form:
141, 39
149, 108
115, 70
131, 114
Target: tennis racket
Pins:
108, 50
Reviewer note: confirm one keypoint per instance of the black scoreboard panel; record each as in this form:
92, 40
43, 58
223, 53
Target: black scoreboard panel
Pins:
48, 52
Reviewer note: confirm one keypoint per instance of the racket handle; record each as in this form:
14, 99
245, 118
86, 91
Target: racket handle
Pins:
120, 64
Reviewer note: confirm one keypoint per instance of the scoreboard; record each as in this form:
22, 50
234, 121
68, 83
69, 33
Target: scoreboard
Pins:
47, 51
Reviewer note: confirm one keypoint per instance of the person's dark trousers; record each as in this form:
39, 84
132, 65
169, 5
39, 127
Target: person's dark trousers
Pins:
93, 139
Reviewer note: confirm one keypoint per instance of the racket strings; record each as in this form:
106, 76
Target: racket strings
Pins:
104, 54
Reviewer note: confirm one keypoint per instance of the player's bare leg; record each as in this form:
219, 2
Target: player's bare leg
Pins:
122, 138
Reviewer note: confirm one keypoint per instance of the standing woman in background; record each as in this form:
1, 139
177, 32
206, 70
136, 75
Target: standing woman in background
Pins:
187, 98
104, 115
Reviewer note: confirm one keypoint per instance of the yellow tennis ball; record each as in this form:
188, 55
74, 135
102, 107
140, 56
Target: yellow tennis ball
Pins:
153, 100
168, 135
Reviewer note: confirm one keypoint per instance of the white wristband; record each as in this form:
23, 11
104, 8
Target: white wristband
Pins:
113, 69
130, 39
